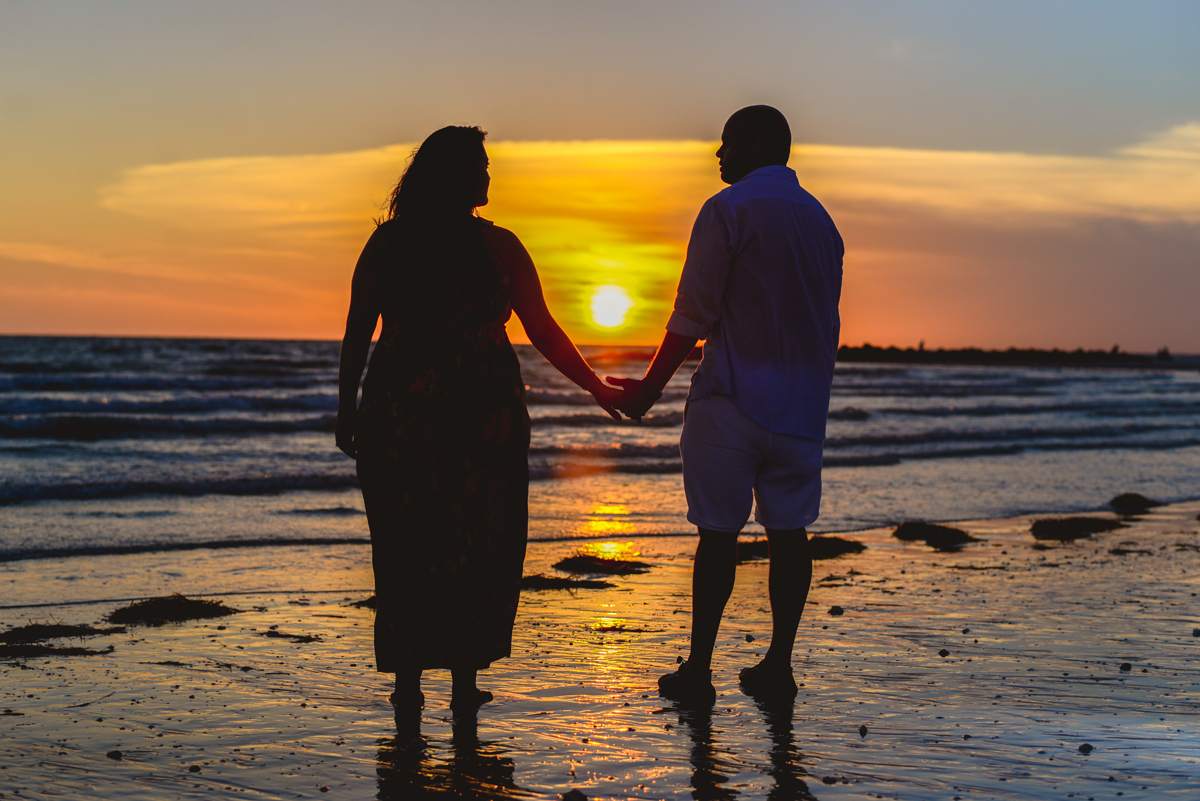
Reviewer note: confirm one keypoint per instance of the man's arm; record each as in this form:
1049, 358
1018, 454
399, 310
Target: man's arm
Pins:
697, 305
642, 394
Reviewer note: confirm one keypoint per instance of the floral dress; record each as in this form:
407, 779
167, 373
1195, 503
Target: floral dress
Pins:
443, 461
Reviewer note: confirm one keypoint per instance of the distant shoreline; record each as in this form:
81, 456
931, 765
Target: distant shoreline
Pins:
601, 353
1017, 357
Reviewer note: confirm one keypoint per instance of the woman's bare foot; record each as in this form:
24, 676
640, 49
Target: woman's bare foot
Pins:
470, 700
465, 695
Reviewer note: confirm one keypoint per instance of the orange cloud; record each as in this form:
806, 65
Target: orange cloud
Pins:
272, 230
1158, 181
591, 213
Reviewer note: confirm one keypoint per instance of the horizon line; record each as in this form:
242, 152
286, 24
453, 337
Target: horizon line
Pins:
611, 345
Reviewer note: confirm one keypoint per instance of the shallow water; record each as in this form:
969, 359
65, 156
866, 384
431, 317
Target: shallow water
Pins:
111, 443
1003, 715
141, 467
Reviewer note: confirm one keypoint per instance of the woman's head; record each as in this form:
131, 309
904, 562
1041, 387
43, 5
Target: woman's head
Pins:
447, 176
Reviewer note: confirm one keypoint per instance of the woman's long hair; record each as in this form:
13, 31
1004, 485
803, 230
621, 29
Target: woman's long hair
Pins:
431, 215
442, 180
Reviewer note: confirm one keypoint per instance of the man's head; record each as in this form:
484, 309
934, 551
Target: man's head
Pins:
754, 137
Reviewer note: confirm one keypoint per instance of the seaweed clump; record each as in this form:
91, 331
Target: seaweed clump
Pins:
941, 538
589, 563
823, 546
827, 547
1068, 529
542, 582
170, 609
1132, 503
27, 650
38, 632
299, 638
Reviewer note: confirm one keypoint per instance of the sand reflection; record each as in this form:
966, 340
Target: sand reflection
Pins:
785, 756
711, 763
714, 764
978, 674
410, 766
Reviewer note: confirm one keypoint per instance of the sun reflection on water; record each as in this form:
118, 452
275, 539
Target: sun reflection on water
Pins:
602, 524
609, 624
610, 509
610, 658
610, 550
607, 527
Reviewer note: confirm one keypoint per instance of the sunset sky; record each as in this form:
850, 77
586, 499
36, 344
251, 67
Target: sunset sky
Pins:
1003, 174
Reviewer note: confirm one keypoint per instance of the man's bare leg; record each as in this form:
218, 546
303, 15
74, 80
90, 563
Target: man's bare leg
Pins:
791, 575
712, 583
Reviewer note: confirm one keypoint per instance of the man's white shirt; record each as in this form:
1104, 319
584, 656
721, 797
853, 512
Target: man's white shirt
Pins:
761, 286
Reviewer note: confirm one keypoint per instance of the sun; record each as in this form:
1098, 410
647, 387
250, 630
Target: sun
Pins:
610, 304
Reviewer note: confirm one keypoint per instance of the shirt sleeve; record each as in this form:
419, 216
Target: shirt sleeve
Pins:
702, 284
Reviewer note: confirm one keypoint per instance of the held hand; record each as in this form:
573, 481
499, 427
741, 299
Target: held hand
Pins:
608, 398
345, 433
637, 398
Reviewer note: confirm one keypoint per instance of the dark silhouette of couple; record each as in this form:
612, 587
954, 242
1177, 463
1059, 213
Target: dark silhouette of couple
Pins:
441, 436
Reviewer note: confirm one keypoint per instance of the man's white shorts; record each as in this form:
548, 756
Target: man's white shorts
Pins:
728, 459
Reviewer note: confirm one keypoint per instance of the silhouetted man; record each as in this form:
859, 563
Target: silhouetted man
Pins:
760, 286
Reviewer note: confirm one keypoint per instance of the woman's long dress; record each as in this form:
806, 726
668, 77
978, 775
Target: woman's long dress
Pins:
443, 460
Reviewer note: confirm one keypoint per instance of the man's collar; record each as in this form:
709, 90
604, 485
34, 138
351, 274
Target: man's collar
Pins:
775, 170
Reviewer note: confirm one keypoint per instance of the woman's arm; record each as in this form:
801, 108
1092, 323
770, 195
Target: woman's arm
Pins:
544, 332
360, 325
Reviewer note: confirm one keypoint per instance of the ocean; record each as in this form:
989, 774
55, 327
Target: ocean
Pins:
130, 445
1013, 667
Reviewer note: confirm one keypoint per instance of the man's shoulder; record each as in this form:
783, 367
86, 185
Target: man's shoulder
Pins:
723, 197
774, 183
761, 195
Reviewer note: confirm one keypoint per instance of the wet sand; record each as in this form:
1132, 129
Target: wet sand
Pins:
1033, 641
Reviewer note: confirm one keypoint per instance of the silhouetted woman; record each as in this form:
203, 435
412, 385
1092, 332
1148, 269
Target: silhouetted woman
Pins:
442, 435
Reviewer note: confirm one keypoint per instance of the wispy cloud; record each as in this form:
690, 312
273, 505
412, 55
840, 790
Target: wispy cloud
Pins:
591, 213
650, 189
619, 213
1157, 181
267, 196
